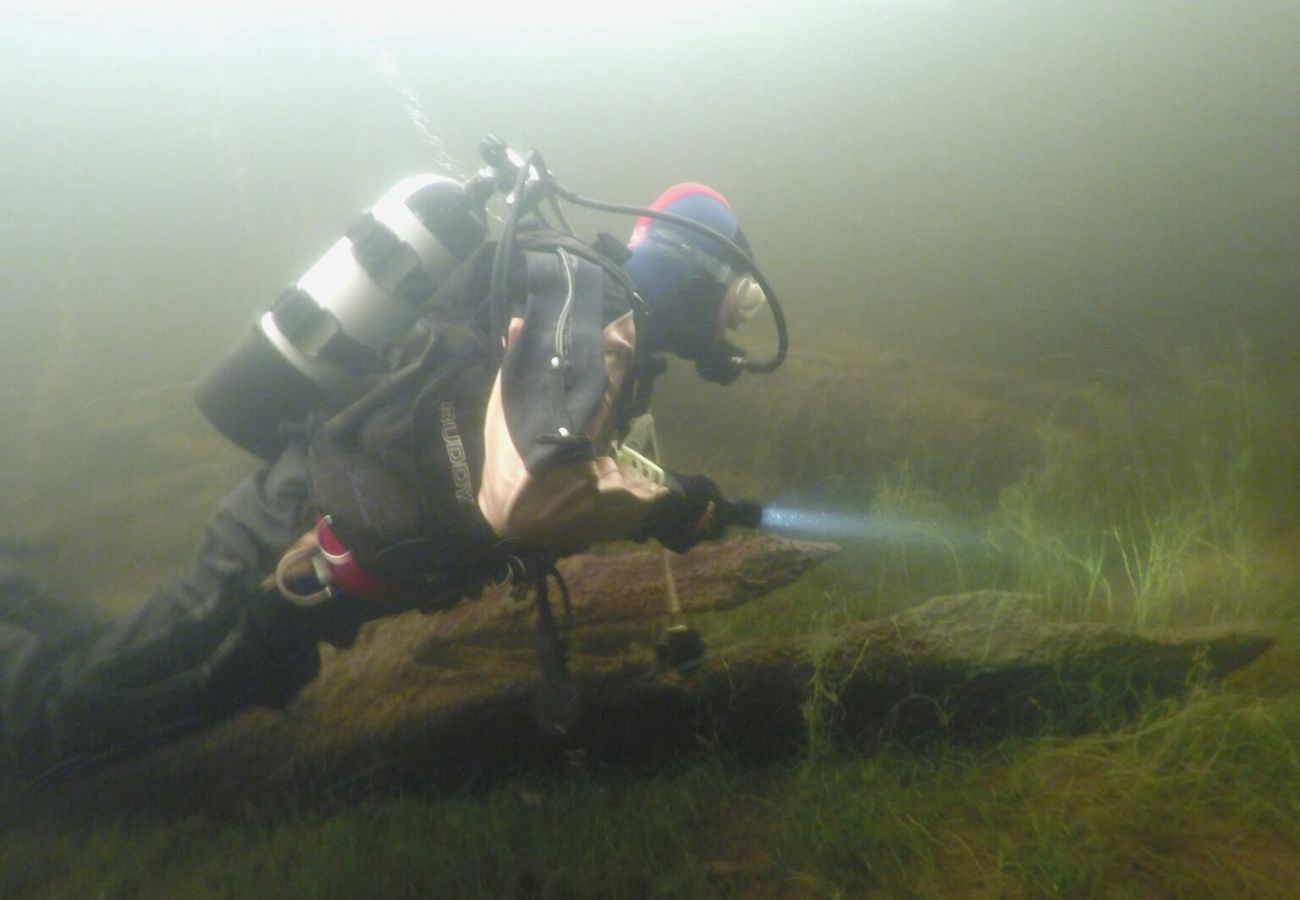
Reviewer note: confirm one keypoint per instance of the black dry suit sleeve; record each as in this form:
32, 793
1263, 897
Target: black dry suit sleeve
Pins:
687, 515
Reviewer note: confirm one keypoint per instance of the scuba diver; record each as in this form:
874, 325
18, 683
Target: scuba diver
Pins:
435, 412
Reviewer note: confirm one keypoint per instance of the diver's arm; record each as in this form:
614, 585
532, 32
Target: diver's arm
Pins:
570, 502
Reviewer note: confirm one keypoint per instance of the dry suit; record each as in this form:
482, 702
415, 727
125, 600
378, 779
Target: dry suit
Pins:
542, 474
76, 685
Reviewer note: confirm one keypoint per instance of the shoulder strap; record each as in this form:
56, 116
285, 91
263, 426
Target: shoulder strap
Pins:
543, 239
635, 398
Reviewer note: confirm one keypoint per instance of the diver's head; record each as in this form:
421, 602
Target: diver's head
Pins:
693, 293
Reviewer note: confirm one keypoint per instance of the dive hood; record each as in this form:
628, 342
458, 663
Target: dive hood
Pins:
328, 328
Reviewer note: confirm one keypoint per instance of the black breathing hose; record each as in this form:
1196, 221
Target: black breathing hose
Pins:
504, 250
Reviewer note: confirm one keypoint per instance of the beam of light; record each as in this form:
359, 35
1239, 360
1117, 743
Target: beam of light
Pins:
807, 522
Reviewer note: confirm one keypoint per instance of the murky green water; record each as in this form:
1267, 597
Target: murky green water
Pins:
1067, 188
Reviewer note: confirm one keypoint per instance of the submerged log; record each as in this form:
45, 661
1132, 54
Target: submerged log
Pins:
974, 663
980, 663
400, 709
631, 586
983, 663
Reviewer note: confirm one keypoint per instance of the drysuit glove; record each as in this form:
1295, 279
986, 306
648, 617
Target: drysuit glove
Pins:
688, 515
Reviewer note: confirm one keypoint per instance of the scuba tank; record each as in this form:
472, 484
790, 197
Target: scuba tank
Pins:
328, 328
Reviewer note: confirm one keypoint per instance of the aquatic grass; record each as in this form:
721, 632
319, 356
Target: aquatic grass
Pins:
931, 553
1064, 564
821, 709
1164, 570
1197, 797
844, 828
1145, 557
1156, 565
1131, 812
582, 836
1143, 508
1138, 806
1147, 511
1143, 530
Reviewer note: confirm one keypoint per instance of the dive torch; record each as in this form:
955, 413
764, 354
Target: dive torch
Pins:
742, 513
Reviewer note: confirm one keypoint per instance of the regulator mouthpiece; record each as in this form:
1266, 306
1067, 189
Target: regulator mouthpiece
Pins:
722, 363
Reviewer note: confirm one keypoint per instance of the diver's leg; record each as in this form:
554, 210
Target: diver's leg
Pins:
24, 605
201, 648
16, 648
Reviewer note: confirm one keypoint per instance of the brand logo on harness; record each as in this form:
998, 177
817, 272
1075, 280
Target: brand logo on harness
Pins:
456, 455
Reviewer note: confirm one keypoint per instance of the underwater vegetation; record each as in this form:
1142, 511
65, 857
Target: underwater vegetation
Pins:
1025, 204
1167, 504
